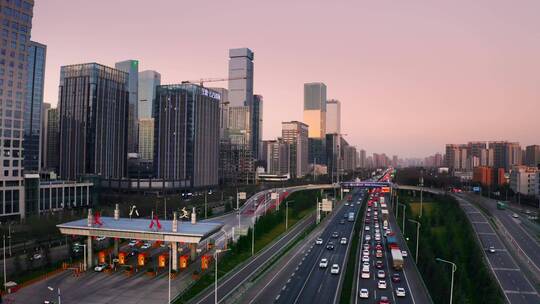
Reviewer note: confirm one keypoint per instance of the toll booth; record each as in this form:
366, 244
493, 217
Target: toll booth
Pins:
184, 261
141, 259
122, 257
162, 260
101, 257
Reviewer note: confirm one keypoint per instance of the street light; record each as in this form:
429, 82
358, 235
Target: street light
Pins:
454, 268
421, 192
52, 289
170, 267
218, 251
417, 236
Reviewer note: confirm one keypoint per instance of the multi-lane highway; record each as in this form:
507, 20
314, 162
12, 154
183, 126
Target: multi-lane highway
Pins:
516, 287
309, 283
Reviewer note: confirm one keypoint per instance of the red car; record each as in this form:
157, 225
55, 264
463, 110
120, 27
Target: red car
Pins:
384, 300
378, 247
396, 278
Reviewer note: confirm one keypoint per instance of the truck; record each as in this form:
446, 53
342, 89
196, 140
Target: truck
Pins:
384, 214
381, 200
391, 240
351, 217
397, 258
501, 205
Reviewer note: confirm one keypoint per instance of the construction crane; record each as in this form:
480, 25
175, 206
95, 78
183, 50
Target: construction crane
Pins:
203, 80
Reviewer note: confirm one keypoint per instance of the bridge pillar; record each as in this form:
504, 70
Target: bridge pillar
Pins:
89, 257
174, 257
116, 247
193, 248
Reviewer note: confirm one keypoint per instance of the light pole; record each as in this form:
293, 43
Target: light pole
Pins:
84, 256
421, 193
287, 214
52, 289
253, 237
404, 206
417, 237
218, 251
9, 237
4, 262
454, 268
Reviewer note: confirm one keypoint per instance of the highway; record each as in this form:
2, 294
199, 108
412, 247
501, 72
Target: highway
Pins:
515, 285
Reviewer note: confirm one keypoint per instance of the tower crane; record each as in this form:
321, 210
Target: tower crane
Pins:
201, 81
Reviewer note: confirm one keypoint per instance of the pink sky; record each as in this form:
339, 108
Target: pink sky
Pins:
411, 75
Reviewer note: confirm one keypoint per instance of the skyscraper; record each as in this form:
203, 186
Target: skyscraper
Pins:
333, 116
278, 158
363, 160
505, 154
43, 140
32, 110
52, 159
148, 82
295, 134
532, 156
187, 134
256, 126
315, 109
94, 107
132, 68
15, 27
241, 77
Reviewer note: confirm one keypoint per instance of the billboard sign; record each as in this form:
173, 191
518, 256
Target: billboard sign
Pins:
476, 189
242, 195
326, 205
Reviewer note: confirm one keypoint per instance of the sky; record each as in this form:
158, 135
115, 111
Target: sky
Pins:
411, 75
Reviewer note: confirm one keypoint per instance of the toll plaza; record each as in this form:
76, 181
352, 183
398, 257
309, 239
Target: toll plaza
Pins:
173, 232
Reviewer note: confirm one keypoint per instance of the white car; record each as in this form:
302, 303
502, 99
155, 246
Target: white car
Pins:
132, 243
100, 238
323, 263
400, 292
343, 241
319, 241
364, 293
381, 284
146, 245
334, 269
368, 237
365, 258
381, 274
491, 249
404, 253
367, 228
515, 215
365, 274
100, 267
365, 252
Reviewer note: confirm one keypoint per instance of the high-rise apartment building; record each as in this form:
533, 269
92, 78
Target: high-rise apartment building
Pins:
148, 82
43, 134
278, 158
532, 156
132, 68
457, 157
315, 109
362, 159
333, 155
187, 134
333, 116
505, 154
94, 109
15, 28
52, 145
524, 180
241, 77
223, 111
295, 134
32, 110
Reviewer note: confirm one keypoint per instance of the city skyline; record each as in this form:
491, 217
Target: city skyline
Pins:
389, 63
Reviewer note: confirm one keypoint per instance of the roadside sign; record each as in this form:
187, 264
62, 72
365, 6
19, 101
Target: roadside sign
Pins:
241, 231
326, 205
476, 189
242, 195
346, 190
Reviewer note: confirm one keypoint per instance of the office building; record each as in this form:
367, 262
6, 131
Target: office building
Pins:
315, 109
132, 68
333, 116
148, 82
52, 146
350, 157
333, 155
532, 156
223, 111
43, 135
278, 157
524, 180
93, 114
146, 138
256, 111
32, 109
15, 27
317, 151
295, 134
363, 159
186, 133
241, 77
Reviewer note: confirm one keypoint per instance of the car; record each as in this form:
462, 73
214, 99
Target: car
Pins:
378, 247
379, 264
377, 237
404, 253
365, 274
400, 292
365, 266
366, 246
100, 267
334, 269
368, 214
343, 241
368, 237
346, 204
491, 249
515, 215
330, 246
335, 235
396, 278
376, 225
365, 258
318, 241
146, 245
116, 260
365, 252
367, 221
381, 284
384, 300
323, 263
381, 274
342, 222
364, 293
100, 238
366, 228
132, 243
368, 209
36, 256
378, 254
346, 215
375, 213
